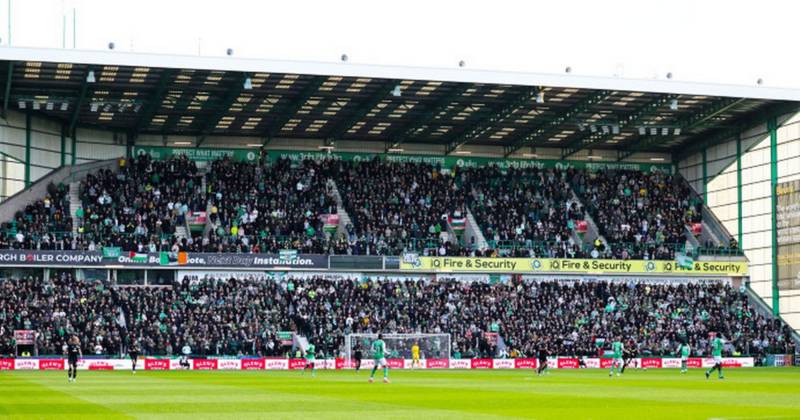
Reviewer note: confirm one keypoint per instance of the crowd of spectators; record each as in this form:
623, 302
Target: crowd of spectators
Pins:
530, 211
139, 206
394, 208
265, 208
243, 316
44, 224
397, 207
57, 308
642, 215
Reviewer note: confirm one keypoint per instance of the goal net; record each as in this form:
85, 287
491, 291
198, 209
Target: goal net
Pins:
398, 346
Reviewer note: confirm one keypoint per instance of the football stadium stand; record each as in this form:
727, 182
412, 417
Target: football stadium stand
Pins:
250, 207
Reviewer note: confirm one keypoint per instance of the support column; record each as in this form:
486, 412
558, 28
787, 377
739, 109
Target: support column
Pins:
739, 188
130, 143
772, 127
74, 143
63, 146
27, 150
705, 177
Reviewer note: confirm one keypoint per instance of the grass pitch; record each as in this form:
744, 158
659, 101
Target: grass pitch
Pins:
565, 394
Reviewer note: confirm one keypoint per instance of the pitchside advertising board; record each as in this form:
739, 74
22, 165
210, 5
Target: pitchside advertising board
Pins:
115, 257
333, 364
413, 262
787, 213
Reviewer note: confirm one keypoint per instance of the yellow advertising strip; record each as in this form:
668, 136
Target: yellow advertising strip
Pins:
580, 266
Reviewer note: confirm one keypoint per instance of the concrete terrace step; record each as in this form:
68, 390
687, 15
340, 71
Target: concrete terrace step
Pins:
344, 218
472, 229
74, 204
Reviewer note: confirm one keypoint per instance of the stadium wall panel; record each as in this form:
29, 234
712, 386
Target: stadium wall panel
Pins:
92, 145
754, 212
45, 151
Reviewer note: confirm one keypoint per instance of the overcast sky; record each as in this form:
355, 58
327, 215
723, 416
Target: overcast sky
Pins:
699, 40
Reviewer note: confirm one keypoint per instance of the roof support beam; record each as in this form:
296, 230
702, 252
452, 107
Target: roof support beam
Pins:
490, 121
233, 92
640, 146
73, 121
154, 101
584, 142
289, 110
7, 95
693, 121
697, 145
430, 113
537, 133
380, 94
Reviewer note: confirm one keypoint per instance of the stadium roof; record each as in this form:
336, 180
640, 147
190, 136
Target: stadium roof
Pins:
205, 96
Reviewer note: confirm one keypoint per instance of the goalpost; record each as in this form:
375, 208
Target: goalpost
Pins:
398, 346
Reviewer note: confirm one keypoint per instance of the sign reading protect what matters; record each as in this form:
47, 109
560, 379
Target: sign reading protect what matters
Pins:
580, 266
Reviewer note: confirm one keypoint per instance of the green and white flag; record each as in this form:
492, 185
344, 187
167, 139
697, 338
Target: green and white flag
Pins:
684, 261
111, 251
287, 254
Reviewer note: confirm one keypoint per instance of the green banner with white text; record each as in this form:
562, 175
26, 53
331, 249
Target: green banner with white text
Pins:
449, 162
198, 154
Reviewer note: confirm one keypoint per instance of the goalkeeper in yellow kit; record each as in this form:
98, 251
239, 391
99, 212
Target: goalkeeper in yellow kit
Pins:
415, 355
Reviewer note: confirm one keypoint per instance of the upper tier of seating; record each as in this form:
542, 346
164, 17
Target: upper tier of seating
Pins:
393, 208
